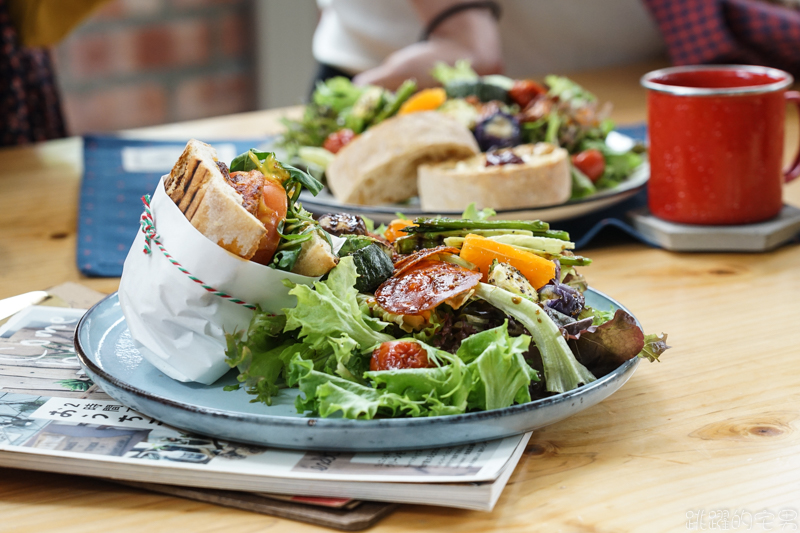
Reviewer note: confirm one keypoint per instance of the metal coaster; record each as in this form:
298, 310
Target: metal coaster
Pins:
759, 237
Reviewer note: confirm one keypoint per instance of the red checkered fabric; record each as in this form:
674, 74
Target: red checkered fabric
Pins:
729, 31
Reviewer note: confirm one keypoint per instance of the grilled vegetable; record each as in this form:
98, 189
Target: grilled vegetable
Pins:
342, 223
523, 92
316, 257
338, 140
459, 109
373, 267
425, 100
591, 163
394, 102
396, 229
509, 278
481, 252
441, 224
485, 92
499, 130
368, 105
399, 354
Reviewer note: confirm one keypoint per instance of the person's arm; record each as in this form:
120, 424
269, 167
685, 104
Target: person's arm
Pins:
471, 34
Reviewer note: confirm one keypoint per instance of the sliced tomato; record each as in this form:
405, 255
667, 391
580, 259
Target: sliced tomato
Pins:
523, 92
338, 140
425, 285
272, 206
399, 354
409, 261
591, 162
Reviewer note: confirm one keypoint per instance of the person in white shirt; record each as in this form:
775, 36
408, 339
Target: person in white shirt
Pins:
384, 42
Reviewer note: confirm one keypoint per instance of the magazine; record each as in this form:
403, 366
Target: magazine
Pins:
52, 418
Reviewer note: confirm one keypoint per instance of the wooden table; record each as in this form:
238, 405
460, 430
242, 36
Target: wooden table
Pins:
713, 427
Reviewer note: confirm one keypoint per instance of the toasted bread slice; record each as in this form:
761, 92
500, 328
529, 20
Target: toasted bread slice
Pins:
198, 188
541, 179
380, 166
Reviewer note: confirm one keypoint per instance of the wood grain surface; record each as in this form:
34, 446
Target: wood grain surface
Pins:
712, 428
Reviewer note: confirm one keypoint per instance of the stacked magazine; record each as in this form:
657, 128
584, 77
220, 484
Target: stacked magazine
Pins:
52, 418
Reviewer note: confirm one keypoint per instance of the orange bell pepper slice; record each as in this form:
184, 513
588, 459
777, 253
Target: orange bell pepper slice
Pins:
481, 251
425, 100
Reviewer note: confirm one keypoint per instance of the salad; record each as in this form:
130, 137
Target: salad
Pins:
338, 112
436, 316
500, 111
503, 112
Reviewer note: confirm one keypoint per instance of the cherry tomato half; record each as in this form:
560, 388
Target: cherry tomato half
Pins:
399, 354
338, 140
523, 92
272, 207
591, 162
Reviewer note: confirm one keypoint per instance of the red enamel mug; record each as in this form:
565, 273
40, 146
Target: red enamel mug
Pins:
716, 143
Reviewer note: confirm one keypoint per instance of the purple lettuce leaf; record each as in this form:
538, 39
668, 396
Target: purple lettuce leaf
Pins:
654, 346
603, 348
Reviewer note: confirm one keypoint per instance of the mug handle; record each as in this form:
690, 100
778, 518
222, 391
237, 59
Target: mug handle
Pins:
794, 169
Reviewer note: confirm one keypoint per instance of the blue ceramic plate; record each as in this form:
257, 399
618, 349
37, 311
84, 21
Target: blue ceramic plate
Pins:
107, 353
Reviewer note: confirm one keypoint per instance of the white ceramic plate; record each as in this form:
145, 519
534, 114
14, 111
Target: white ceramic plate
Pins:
325, 202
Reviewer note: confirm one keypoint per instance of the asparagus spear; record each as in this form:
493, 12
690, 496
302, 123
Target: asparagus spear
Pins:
435, 227
445, 224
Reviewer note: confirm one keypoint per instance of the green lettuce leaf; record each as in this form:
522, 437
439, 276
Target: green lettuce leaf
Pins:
331, 309
441, 390
461, 71
619, 165
262, 358
654, 346
562, 372
582, 186
337, 93
346, 359
328, 395
472, 213
501, 375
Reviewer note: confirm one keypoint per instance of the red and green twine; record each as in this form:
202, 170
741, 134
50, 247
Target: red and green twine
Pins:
151, 236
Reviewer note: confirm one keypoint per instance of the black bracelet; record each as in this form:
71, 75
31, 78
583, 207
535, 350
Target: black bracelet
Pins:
494, 7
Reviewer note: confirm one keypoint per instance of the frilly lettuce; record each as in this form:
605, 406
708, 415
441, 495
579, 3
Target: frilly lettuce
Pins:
262, 357
501, 375
488, 372
331, 309
461, 71
333, 335
325, 394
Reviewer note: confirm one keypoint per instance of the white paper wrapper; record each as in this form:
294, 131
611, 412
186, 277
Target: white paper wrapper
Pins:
177, 325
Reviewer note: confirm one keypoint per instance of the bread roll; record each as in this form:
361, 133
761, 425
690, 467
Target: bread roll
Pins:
197, 187
380, 166
542, 178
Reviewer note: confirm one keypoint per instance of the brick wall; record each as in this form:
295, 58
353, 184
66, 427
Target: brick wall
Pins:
144, 62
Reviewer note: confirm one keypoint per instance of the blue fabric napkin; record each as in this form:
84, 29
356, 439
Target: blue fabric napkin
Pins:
119, 171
